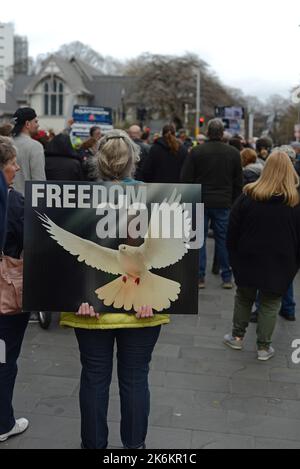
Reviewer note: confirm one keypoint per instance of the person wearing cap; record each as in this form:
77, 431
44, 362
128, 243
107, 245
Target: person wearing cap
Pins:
31, 158
263, 149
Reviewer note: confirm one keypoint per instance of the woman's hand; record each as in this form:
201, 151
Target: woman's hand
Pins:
88, 311
145, 312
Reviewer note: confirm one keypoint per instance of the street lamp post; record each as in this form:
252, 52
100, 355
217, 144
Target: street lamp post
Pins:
198, 102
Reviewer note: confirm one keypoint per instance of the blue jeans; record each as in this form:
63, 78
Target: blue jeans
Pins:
12, 330
219, 222
288, 303
134, 353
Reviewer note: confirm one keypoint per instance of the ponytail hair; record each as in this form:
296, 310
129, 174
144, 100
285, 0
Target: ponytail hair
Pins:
169, 135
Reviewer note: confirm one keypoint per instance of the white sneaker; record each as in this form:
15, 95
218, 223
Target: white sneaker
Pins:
265, 355
21, 426
233, 342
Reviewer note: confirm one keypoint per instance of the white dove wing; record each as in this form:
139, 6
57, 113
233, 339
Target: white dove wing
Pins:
161, 252
92, 254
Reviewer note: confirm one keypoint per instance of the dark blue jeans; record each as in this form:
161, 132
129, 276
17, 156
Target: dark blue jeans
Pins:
219, 222
134, 353
288, 302
12, 330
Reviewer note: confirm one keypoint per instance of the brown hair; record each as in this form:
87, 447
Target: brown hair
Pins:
279, 177
7, 151
90, 143
248, 156
6, 130
169, 135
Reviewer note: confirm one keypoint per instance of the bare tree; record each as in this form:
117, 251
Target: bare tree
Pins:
277, 107
166, 84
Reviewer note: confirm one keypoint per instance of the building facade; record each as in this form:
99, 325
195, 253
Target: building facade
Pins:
21, 59
63, 83
6, 50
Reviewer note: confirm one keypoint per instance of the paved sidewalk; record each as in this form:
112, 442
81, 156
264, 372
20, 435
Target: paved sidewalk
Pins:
203, 394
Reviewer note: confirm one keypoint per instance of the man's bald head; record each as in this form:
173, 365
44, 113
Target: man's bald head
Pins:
135, 132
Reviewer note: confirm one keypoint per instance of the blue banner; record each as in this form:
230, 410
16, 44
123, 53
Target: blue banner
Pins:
93, 115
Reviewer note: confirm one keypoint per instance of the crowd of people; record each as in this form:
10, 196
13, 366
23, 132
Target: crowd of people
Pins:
252, 206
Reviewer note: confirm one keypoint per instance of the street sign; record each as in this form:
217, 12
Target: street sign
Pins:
93, 115
233, 118
86, 117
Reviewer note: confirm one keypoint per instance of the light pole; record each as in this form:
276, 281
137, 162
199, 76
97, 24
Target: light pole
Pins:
198, 102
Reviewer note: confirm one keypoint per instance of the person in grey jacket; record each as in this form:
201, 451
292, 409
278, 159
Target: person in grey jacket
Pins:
252, 168
31, 158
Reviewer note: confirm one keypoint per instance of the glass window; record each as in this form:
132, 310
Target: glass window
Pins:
53, 104
54, 97
46, 104
61, 105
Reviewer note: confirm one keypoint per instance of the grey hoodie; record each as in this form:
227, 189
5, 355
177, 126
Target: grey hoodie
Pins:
31, 159
252, 172
256, 168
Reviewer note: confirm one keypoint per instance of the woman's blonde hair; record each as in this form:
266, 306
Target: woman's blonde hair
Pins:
279, 177
117, 157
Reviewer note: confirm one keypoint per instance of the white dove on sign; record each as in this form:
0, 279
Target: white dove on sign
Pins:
136, 286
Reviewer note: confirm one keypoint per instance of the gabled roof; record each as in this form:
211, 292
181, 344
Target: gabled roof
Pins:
85, 68
10, 107
81, 78
65, 69
20, 83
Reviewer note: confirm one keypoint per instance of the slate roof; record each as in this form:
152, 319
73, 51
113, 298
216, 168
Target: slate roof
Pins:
10, 107
108, 90
70, 73
83, 79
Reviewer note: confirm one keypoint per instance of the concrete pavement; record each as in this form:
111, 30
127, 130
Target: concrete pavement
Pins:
203, 394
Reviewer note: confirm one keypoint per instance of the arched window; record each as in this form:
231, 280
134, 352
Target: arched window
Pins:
54, 97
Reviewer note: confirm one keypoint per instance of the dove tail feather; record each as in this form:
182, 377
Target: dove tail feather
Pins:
153, 290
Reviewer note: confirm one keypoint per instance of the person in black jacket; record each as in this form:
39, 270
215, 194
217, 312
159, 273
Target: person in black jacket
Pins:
62, 162
12, 328
218, 168
135, 133
165, 160
264, 247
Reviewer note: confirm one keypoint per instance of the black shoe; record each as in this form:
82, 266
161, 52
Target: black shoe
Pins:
254, 317
287, 317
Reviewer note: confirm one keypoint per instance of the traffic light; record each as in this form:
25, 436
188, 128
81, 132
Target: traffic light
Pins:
201, 122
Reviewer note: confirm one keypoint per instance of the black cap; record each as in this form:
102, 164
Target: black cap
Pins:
21, 116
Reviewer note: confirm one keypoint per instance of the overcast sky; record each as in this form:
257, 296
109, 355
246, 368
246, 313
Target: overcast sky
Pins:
253, 45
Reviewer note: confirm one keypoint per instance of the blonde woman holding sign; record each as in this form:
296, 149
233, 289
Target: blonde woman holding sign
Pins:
134, 335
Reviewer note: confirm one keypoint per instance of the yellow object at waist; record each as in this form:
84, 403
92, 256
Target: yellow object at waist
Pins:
112, 321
